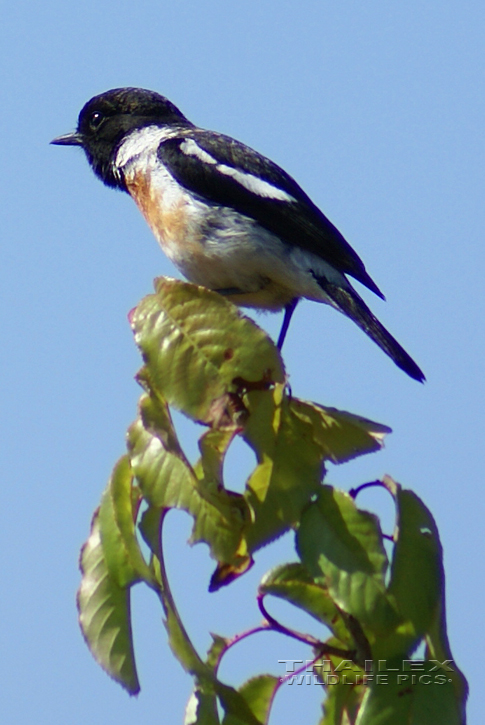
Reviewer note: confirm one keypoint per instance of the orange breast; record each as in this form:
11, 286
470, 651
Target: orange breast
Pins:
167, 221
178, 232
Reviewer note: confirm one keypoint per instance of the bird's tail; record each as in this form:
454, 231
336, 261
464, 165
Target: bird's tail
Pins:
352, 305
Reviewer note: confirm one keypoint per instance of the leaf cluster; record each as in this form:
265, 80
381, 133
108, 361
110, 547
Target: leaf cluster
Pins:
203, 357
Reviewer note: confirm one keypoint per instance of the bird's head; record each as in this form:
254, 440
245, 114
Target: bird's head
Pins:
106, 120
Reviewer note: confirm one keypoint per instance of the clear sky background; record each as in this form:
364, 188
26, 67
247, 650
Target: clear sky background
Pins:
377, 110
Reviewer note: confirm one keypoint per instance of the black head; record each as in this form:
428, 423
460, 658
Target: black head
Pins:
106, 119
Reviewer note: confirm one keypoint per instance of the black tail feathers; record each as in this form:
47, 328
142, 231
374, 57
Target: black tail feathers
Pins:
349, 302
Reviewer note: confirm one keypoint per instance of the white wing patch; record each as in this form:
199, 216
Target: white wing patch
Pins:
191, 148
250, 182
255, 184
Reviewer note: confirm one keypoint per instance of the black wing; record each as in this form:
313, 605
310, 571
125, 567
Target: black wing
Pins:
195, 159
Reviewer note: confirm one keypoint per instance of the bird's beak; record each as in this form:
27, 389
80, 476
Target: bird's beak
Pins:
69, 139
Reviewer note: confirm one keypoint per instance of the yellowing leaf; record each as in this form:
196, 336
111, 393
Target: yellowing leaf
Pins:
195, 343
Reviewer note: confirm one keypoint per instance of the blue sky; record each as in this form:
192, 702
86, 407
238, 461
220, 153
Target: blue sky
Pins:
377, 110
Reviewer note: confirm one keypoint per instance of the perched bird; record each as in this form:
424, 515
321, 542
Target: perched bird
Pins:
227, 217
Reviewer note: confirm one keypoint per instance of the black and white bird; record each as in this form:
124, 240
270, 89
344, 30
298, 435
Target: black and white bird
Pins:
227, 217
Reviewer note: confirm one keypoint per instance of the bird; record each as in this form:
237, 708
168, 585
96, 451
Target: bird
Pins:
229, 218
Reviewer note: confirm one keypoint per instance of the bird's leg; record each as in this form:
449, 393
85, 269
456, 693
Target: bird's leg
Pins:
289, 309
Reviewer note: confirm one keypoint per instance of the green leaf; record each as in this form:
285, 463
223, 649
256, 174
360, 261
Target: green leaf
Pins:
207, 685
417, 577
416, 580
289, 470
341, 436
293, 583
201, 705
201, 709
342, 548
341, 704
166, 480
149, 526
216, 651
117, 515
438, 652
213, 446
195, 343
181, 645
158, 461
406, 698
104, 614
258, 692
292, 440
206, 682
179, 641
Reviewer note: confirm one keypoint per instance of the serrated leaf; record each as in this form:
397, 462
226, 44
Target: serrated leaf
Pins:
417, 577
340, 435
104, 614
157, 459
289, 470
293, 583
258, 692
292, 440
117, 514
167, 480
342, 548
195, 343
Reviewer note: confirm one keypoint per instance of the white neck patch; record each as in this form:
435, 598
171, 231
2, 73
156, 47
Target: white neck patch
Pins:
141, 142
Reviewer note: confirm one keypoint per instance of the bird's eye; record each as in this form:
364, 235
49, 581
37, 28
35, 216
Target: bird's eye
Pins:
95, 120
